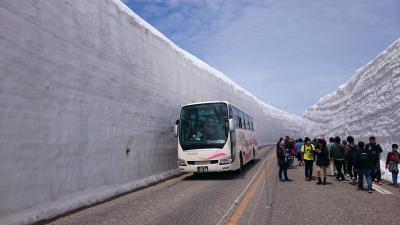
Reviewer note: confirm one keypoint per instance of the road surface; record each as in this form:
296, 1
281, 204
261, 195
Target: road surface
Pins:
254, 197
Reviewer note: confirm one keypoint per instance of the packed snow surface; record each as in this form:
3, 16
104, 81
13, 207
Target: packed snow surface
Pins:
84, 81
367, 105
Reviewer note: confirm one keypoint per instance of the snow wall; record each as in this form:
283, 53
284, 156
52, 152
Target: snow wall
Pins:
80, 83
367, 105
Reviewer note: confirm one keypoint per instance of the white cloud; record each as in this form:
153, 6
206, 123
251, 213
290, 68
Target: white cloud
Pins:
260, 43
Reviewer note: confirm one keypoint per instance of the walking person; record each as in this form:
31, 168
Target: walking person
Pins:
345, 170
375, 150
308, 156
292, 152
299, 144
337, 153
392, 162
322, 154
288, 147
364, 167
350, 156
332, 168
282, 159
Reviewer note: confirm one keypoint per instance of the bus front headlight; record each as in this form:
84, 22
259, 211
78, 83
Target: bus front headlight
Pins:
181, 162
227, 160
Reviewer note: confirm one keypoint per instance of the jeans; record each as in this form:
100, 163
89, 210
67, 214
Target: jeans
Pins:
367, 173
308, 168
283, 169
291, 161
394, 178
339, 165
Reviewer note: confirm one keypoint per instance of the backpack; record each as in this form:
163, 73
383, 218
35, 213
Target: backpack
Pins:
393, 157
364, 159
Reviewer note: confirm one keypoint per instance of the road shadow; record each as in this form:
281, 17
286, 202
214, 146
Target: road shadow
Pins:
229, 175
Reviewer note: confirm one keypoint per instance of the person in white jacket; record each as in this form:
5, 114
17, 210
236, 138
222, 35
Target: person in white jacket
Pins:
332, 168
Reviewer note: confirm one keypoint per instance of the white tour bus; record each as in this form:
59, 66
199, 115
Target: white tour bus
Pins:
214, 137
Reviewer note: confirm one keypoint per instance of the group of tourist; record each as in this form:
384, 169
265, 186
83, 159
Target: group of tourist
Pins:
342, 158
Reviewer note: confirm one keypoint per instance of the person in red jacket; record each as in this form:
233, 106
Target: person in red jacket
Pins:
392, 162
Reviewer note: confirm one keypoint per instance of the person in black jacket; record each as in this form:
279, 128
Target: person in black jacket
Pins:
337, 153
364, 166
350, 151
282, 155
375, 150
322, 160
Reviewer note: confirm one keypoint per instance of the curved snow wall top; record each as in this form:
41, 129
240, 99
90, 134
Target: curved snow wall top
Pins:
83, 81
367, 105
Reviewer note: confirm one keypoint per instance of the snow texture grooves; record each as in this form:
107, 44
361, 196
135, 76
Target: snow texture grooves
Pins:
367, 105
82, 82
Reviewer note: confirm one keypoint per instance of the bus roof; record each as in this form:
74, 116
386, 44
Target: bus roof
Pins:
210, 102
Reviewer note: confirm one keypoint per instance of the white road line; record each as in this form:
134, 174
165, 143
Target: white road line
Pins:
381, 190
237, 200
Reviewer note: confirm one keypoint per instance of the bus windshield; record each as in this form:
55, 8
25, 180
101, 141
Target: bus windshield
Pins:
203, 126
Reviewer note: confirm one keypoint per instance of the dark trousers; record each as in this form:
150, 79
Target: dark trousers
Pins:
352, 170
283, 169
376, 171
339, 165
308, 167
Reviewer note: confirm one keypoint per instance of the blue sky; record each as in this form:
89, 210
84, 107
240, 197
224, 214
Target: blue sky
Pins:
287, 53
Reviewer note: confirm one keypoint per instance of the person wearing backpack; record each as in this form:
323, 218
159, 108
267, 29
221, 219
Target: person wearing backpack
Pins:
375, 150
392, 162
364, 166
337, 153
350, 151
322, 153
308, 156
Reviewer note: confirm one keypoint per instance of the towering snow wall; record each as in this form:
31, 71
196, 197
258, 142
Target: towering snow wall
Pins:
80, 83
367, 105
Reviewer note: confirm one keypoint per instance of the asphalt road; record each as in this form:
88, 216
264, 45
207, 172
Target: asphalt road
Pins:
260, 199
188, 199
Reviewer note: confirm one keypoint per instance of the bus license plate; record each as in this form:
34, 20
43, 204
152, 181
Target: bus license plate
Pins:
202, 169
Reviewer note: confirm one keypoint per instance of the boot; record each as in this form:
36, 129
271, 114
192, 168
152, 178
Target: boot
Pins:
324, 183
319, 181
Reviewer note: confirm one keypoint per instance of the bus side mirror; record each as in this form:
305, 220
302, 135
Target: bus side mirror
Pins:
176, 128
231, 123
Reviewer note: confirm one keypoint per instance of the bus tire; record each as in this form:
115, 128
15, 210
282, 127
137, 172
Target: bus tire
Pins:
240, 170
